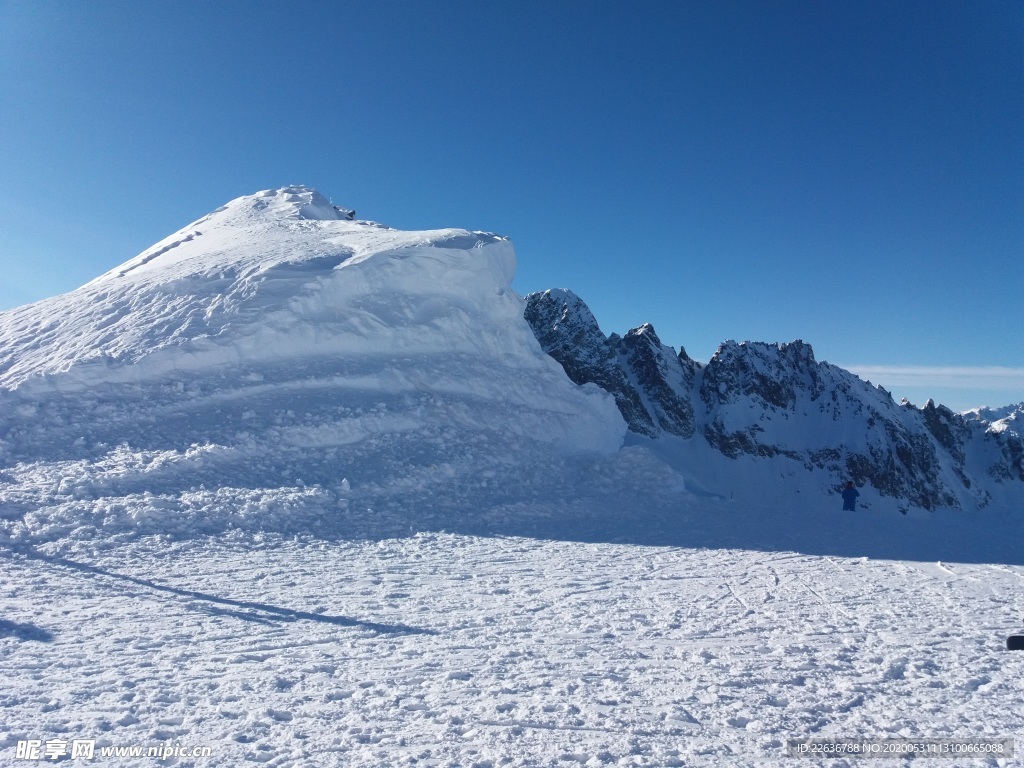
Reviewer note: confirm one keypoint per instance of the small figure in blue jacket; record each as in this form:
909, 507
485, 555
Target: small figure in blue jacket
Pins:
850, 495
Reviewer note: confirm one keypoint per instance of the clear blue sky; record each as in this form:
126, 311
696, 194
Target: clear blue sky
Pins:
848, 173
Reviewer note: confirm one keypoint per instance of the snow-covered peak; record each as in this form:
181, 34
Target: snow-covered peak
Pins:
562, 307
283, 280
280, 229
1008, 419
272, 260
772, 373
567, 329
294, 202
215, 237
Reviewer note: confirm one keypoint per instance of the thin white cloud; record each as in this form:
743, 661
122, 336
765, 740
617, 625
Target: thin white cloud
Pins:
960, 377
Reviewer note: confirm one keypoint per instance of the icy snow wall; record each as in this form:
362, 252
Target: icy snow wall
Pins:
276, 312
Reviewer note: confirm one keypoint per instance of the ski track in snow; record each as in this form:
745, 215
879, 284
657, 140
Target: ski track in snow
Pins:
458, 650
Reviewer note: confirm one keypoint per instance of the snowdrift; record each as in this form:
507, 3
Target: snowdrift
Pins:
280, 286
278, 344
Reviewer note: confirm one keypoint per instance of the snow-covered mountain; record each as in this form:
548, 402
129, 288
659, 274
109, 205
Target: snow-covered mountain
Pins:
282, 289
775, 401
280, 344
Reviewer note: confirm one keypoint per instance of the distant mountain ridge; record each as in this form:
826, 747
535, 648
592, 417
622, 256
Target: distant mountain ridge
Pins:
775, 401
1008, 419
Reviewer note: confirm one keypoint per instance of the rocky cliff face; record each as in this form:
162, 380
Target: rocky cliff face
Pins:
650, 383
776, 402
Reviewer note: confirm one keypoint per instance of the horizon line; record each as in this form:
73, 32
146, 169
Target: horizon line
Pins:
995, 377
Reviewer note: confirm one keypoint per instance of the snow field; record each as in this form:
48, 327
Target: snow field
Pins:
466, 650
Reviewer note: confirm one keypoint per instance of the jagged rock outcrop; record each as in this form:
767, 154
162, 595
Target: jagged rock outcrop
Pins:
650, 383
662, 378
771, 374
777, 401
568, 331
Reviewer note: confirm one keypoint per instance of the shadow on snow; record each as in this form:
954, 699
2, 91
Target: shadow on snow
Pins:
24, 632
244, 610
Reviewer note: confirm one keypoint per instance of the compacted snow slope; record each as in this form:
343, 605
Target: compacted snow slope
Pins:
304, 490
271, 294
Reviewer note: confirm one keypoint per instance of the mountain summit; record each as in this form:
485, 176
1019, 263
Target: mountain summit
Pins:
278, 297
272, 276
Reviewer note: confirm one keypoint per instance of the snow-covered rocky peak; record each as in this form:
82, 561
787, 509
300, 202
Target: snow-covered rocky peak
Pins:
1008, 419
772, 373
566, 327
649, 381
776, 402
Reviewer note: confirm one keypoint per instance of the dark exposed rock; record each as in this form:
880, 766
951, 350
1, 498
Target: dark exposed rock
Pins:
1012, 450
663, 378
568, 331
948, 428
770, 373
737, 443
